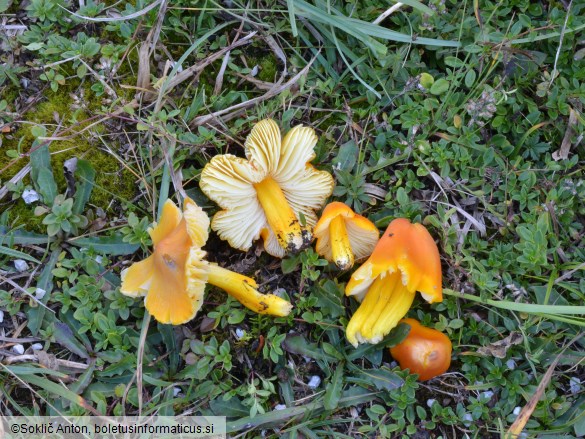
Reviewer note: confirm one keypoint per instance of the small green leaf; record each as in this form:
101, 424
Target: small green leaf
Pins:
297, 344
347, 156
66, 338
81, 71
45, 282
382, 379
333, 389
110, 245
454, 62
470, 77
39, 158
85, 178
440, 86
329, 299
290, 264
17, 254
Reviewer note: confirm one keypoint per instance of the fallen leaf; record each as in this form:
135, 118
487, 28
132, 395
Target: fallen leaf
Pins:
500, 348
563, 151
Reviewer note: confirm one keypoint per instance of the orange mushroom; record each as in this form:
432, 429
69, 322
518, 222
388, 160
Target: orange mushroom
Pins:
343, 236
173, 278
267, 195
424, 351
405, 260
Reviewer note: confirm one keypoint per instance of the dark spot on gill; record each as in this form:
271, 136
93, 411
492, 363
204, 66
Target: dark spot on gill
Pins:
169, 261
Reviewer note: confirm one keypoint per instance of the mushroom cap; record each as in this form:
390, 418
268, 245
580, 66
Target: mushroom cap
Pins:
173, 278
407, 248
229, 181
424, 351
362, 233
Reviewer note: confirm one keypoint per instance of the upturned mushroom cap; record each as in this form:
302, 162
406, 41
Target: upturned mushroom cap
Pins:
344, 236
409, 249
265, 194
404, 261
173, 278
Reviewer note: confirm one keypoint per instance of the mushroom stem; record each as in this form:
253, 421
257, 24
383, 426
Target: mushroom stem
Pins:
281, 218
340, 246
243, 289
386, 302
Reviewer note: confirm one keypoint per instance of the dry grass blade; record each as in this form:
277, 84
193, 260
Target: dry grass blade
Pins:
196, 68
140, 359
524, 415
233, 111
122, 18
145, 52
563, 152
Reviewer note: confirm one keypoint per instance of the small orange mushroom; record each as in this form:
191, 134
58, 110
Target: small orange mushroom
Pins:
424, 351
405, 260
173, 278
343, 236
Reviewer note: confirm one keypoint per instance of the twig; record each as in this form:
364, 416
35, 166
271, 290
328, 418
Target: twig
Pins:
235, 110
554, 72
387, 13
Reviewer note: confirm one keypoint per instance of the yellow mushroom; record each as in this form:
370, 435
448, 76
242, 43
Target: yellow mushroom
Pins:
266, 194
173, 278
405, 260
343, 236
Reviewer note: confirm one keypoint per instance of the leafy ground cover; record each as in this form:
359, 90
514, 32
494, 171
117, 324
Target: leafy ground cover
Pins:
466, 117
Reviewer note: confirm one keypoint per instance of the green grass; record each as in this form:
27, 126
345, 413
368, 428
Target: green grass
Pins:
470, 156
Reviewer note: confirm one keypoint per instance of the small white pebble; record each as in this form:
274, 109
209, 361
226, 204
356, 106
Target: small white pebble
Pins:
430, 402
37, 347
487, 394
517, 410
30, 196
20, 265
240, 333
254, 71
1, 316
18, 349
574, 385
314, 382
99, 259
279, 407
280, 292
176, 391
307, 359
40, 293
511, 364
467, 419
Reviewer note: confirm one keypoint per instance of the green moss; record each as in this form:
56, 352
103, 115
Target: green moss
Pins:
21, 213
113, 181
267, 64
9, 93
268, 68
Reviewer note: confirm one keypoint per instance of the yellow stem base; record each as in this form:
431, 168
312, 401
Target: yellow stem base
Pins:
281, 218
340, 246
243, 289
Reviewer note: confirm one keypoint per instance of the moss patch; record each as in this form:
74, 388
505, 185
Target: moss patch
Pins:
113, 181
